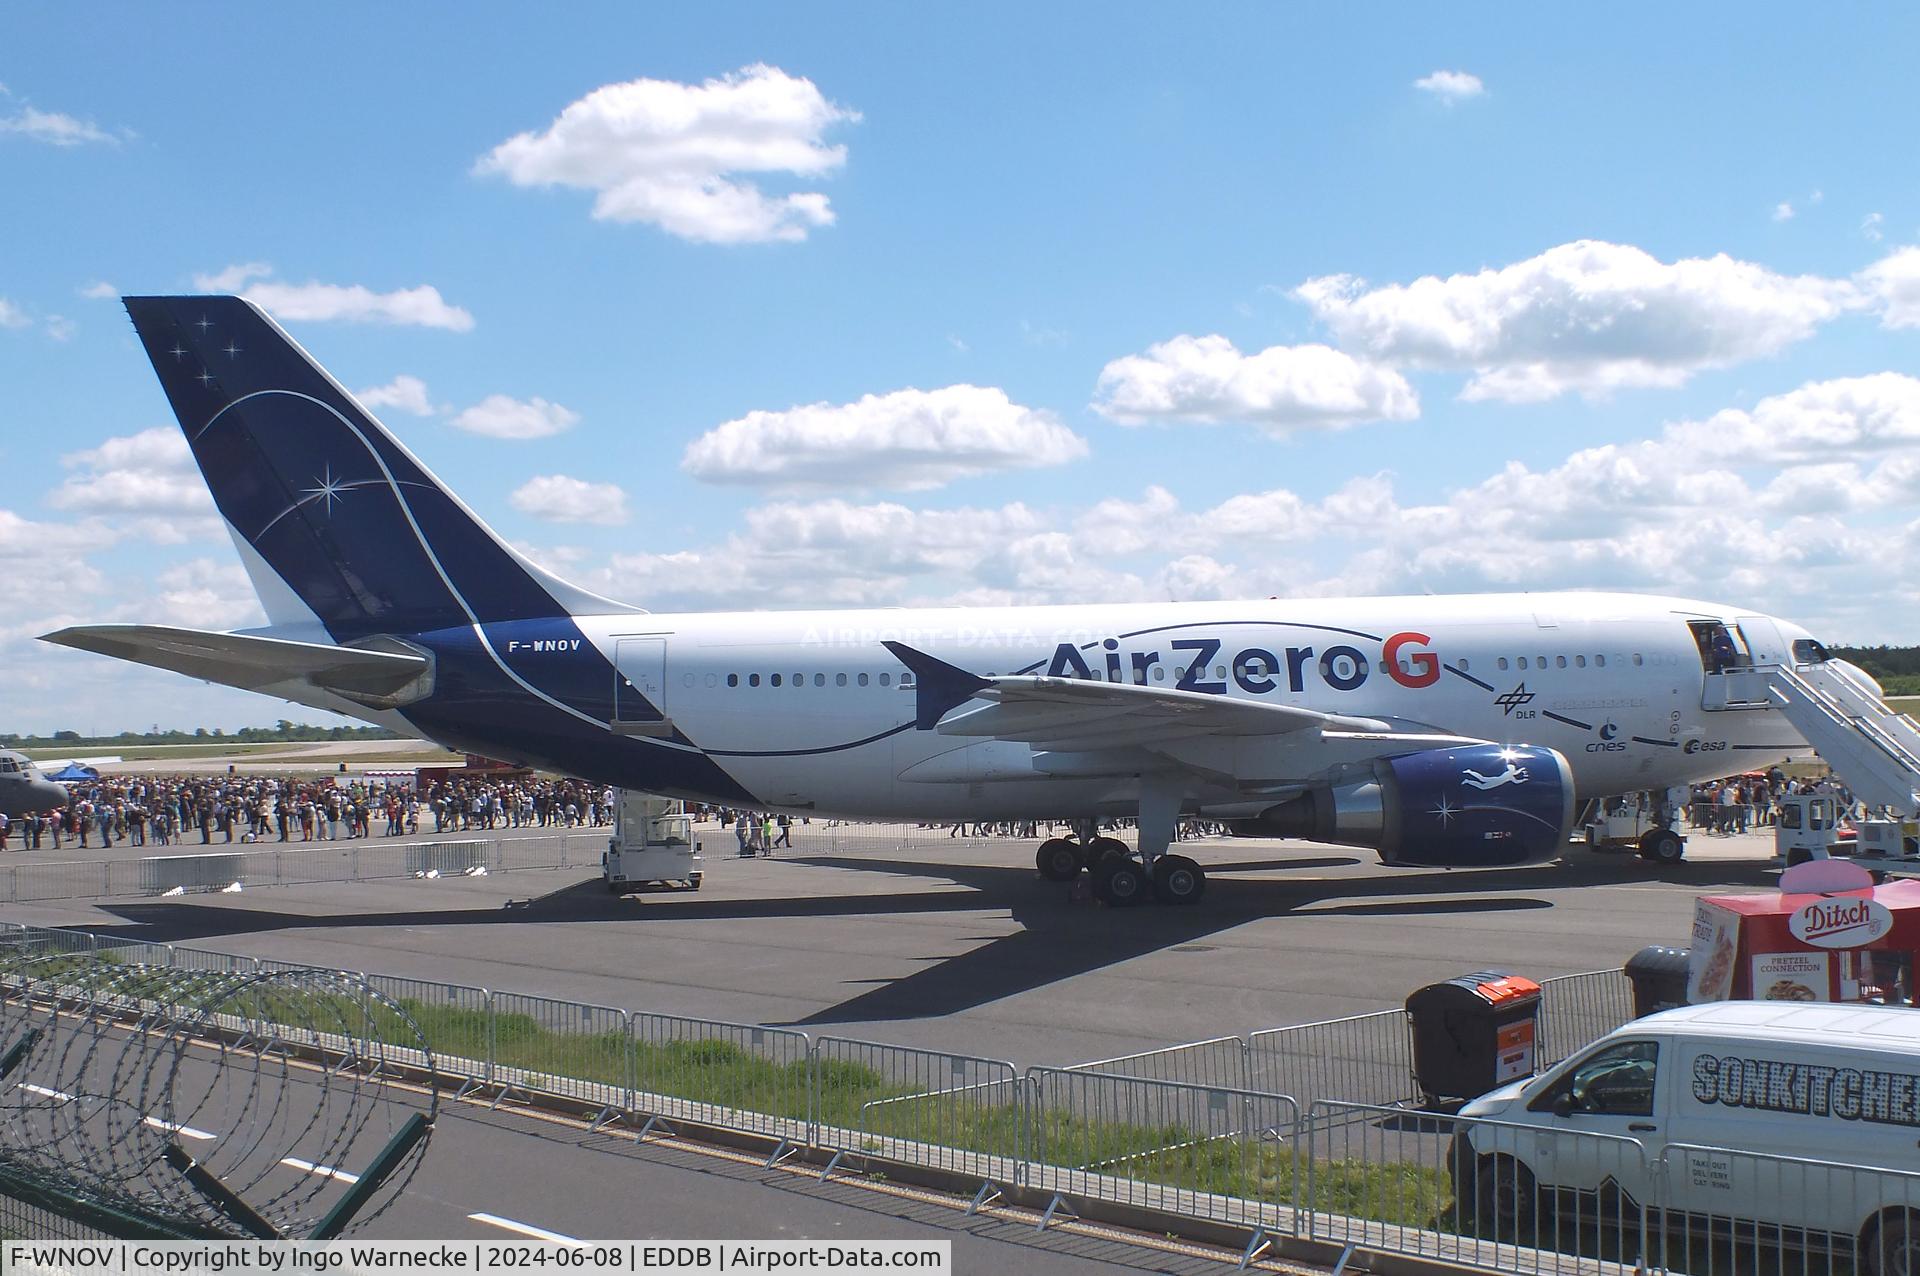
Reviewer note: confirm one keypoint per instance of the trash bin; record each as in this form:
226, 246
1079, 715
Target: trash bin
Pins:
1471, 1034
1659, 978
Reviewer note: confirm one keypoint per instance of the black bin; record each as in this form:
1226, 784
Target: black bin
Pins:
1473, 1033
1659, 978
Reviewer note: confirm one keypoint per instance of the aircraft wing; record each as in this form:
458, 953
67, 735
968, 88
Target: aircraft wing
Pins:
253, 663
1049, 712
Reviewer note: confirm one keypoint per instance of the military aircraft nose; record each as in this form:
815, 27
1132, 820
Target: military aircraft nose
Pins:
46, 791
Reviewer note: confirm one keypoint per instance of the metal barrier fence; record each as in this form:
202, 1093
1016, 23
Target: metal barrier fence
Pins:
1384, 1177
1220, 1062
1577, 1009
307, 863
1363, 1059
1201, 1151
922, 1107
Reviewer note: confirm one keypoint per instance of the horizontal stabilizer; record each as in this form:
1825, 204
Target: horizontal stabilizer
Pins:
381, 679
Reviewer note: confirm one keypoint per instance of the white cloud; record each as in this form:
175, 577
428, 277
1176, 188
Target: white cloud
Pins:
1783, 212
1892, 285
1206, 380
1588, 316
908, 439
1850, 417
499, 416
100, 290
1451, 86
203, 594
674, 155
12, 316
60, 328
151, 473
1871, 226
404, 393
54, 128
352, 303
560, 499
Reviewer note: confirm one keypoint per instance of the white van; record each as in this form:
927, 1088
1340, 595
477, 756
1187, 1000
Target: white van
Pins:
1706, 1113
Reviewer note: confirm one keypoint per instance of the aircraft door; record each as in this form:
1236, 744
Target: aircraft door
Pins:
640, 683
1763, 639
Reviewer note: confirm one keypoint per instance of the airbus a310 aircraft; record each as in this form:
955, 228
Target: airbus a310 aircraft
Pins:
1438, 730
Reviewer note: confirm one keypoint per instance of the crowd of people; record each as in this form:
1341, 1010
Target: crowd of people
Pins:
1742, 802
143, 810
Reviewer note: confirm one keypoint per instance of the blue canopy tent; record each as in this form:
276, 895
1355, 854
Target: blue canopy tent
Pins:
71, 772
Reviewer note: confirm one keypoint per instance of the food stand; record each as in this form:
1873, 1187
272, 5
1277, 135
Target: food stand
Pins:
1830, 934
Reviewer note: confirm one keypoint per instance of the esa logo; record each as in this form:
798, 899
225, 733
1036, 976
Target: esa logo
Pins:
1704, 746
1607, 743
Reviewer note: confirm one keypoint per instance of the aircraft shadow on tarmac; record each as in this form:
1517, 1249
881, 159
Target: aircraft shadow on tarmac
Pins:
1055, 939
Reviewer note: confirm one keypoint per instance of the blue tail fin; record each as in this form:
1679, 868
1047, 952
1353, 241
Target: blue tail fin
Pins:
325, 499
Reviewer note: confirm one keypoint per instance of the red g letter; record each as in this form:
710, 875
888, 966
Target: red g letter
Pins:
1426, 665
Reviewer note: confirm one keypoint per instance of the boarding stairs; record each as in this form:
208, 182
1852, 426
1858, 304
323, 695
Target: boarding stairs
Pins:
1873, 749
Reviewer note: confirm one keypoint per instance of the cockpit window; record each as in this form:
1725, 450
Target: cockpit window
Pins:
1808, 652
8, 766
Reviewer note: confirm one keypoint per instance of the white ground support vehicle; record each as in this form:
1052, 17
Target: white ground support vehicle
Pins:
652, 846
1790, 1124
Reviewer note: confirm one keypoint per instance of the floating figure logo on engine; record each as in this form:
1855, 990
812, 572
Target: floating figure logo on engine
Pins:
1512, 775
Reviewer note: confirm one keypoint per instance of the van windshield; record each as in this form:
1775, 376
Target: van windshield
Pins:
1615, 1081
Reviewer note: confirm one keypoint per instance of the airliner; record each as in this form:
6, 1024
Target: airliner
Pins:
1449, 730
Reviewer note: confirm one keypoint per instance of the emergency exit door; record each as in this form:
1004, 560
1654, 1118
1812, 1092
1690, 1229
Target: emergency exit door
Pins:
640, 684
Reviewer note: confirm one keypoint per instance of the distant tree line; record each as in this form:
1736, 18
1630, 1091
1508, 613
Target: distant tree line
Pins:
1895, 668
280, 732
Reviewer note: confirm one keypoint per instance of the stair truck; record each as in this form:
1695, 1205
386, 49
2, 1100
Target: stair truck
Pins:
652, 846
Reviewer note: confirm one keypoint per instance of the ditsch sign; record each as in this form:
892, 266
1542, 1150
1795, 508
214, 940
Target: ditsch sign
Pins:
1846, 922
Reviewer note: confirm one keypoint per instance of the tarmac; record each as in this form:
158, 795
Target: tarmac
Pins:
904, 935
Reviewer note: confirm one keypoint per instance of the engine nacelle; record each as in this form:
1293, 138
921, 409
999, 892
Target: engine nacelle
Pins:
1478, 805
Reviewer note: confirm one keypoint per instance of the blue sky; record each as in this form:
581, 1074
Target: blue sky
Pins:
897, 304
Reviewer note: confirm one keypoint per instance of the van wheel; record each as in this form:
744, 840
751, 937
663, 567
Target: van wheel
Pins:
1893, 1247
1505, 1199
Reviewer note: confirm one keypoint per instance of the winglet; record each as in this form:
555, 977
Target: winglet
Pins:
938, 686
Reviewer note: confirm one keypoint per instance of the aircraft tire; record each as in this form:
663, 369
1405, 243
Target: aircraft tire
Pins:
1101, 847
1178, 880
1058, 859
1663, 846
1119, 882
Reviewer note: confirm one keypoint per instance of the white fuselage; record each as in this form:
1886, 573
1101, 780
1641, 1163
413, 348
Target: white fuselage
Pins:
808, 709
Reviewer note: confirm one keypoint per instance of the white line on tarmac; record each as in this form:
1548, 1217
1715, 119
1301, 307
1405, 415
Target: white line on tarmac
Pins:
41, 1090
184, 1131
526, 1229
324, 1171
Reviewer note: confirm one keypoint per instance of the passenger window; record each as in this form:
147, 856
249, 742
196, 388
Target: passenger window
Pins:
819, 680
1219, 673
1523, 662
1615, 1081
1159, 673
1636, 658
886, 679
1460, 664
1179, 673
1600, 662
773, 680
1580, 662
753, 680
839, 680
1560, 662
733, 680
1502, 663
863, 680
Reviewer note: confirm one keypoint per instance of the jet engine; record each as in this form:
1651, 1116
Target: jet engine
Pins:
1477, 805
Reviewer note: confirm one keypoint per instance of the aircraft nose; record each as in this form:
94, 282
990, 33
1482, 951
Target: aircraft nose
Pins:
48, 791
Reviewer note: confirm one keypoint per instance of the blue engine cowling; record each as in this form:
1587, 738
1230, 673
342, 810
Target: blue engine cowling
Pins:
1477, 805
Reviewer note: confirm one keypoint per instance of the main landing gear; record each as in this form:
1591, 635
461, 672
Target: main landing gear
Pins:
1121, 878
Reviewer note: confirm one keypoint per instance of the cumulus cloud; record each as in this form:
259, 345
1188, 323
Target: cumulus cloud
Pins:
1588, 316
1783, 212
422, 306
1206, 380
560, 499
403, 393
500, 416
1872, 225
908, 439
12, 316
1892, 286
100, 290
1451, 86
676, 155
203, 594
151, 473
54, 128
